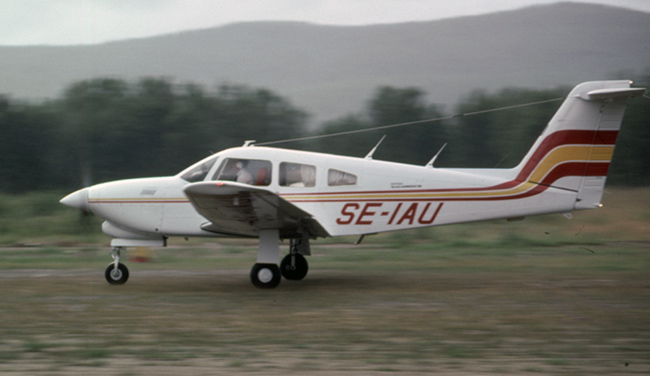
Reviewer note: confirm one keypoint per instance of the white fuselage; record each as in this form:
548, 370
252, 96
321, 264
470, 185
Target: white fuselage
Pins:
383, 196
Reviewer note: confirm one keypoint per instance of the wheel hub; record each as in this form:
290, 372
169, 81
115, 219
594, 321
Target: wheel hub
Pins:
265, 275
116, 274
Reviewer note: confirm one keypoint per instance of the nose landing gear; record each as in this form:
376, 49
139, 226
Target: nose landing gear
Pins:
116, 273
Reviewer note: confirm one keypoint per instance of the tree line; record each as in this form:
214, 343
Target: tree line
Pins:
106, 129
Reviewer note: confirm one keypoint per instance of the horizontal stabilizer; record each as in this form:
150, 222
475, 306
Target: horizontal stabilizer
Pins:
613, 93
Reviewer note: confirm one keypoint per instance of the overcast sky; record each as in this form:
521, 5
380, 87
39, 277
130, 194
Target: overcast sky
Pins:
64, 22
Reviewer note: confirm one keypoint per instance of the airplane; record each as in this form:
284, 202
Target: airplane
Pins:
273, 193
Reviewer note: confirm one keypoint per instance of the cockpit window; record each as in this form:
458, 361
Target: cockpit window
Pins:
199, 171
297, 175
337, 177
247, 171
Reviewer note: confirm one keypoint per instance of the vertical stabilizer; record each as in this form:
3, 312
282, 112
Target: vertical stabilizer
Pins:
575, 150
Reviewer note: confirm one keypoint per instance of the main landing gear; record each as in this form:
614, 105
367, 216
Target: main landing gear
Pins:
266, 274
116, 273
294, 266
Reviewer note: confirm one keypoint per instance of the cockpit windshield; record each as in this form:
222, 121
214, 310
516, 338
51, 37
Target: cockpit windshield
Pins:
199, 171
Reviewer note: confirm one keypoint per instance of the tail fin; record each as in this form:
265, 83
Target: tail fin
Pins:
576, 148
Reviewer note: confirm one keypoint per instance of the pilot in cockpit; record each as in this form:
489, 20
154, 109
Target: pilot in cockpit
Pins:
243, 176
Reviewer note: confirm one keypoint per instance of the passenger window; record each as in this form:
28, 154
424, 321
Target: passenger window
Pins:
247, 171
297, 175
337, 177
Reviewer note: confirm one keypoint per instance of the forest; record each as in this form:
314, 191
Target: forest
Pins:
105, 129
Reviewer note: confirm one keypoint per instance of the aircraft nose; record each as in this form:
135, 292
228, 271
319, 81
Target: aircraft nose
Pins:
77, 200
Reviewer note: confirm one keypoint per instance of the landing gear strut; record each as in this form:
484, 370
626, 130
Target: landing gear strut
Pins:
116, 273
265, 273
294, 266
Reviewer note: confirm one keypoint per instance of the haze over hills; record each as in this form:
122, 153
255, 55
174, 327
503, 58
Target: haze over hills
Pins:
330, 71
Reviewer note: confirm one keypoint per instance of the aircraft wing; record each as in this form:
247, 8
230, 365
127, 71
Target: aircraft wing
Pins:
243, 210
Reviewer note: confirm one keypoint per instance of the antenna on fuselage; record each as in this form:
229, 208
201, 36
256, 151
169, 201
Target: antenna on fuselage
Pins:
248, 143
430, 164
369, 155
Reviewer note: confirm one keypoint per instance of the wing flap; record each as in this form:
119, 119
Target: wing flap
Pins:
243, 210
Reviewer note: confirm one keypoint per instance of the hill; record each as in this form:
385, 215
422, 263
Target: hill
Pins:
330, 71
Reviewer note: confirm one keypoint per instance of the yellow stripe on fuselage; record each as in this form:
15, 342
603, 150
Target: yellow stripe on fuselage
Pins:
558, 156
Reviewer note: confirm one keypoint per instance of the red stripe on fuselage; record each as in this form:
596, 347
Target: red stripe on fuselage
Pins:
560, 171
552, 141
564, 170
568, 137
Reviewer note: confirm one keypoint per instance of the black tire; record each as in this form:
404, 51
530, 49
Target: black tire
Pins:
265, 276
117, 277
296, 272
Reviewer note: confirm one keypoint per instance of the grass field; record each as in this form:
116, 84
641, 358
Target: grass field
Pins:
544, 296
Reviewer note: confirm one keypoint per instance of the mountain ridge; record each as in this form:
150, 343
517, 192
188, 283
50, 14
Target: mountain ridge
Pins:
331, 71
